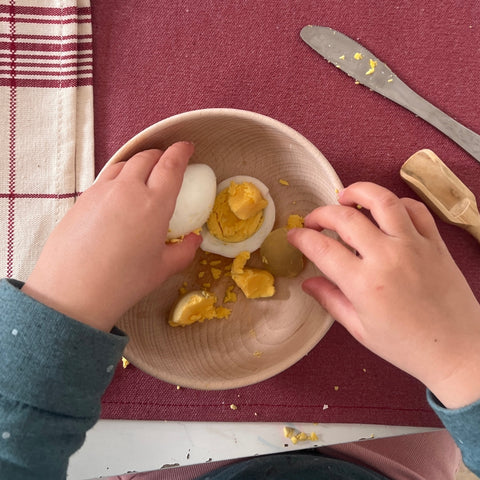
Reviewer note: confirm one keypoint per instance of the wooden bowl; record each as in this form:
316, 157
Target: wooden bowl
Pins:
262, 337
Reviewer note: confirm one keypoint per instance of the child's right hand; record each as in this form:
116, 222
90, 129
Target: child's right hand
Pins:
109, 250
403, 296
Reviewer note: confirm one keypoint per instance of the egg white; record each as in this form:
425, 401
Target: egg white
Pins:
212, 244
195, 200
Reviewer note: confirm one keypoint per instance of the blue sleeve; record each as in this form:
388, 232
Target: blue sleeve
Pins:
53, 372
464, 426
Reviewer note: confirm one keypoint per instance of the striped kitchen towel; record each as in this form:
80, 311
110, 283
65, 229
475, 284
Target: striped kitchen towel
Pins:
46, 122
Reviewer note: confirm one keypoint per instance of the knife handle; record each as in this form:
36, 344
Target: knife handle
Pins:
402, 94
442, 190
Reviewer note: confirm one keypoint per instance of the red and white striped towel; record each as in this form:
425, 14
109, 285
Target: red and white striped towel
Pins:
46, 122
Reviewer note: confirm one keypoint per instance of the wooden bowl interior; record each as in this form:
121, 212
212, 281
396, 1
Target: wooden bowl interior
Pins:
262, 337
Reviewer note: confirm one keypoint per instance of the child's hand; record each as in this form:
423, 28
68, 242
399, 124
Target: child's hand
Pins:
109, 250
402, 297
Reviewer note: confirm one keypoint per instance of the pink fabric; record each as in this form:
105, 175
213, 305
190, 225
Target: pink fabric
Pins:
423, 456
156, 58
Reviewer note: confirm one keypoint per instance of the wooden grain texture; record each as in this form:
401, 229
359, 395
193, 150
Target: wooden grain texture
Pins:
442, 190
262, 337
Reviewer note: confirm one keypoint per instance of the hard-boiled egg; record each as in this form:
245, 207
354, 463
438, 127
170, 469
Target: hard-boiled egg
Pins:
194, 202
241, 218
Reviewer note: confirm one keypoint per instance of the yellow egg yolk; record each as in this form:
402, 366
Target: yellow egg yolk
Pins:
237, 212
254, 282
295, 221
245, 200
197, 307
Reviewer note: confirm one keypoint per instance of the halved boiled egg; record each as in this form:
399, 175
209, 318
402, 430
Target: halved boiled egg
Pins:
194, 202
242, 216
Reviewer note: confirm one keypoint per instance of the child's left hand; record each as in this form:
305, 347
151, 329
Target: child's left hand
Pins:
109, 251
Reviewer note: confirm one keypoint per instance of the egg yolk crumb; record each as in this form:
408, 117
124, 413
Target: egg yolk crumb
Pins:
230, 295
216, 273
197, 307
373, 64
254, 282
296, 436
237, 212
295, 221
358, 56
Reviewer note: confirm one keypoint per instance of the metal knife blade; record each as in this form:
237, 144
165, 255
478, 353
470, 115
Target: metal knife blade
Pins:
361, 64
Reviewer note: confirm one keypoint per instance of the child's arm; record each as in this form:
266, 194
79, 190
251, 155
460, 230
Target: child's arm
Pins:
107, 253
401, 295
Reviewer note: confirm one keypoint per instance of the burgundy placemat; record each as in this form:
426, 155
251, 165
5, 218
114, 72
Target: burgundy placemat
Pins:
156, 58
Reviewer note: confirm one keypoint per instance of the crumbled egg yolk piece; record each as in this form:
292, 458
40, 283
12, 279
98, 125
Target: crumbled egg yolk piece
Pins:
295, 221
283, 182
197, 307
358, 56
216, 273
125, 362
230, 295
237, 212
373, 64
295, 436
176, 240
254, 282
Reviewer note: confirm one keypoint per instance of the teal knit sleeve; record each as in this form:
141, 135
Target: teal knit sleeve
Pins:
464, 426
53, 372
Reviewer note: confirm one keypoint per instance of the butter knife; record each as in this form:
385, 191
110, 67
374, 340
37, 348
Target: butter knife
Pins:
358, 62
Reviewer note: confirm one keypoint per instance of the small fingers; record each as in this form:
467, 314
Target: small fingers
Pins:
179, 255
140, 165
386, 208
111, 172
330, 297
421, 218
354, 228
330, 256
168, 173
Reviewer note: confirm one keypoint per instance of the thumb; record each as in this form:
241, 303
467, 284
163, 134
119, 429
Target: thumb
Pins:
178, 256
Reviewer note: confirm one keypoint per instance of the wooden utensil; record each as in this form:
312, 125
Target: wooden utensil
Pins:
442, 190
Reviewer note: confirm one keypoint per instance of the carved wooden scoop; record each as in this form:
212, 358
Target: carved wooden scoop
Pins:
442, 190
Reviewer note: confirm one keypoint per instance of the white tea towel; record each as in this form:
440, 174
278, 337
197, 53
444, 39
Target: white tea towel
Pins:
46, 122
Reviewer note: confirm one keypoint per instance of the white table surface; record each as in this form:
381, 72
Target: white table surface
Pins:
114, 447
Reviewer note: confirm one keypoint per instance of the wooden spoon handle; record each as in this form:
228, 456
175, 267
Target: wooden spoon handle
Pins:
442, 190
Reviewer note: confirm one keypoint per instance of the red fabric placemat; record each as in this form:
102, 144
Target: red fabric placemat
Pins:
156, 58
